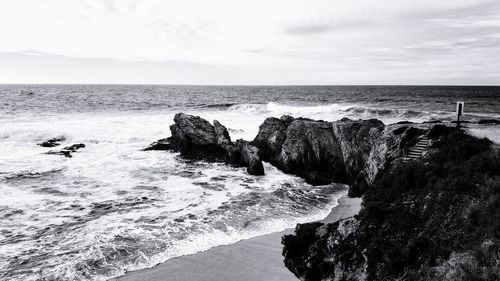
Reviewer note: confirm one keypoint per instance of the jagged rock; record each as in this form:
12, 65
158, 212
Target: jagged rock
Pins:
304, 147
271, 136
52, 142
434, 219
363, 146
162, 144
195, 138
325, 252
311, 150
250, 157
221, 134
66, 151
344, 151
74, 147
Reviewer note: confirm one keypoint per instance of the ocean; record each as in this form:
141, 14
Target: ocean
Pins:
113, 208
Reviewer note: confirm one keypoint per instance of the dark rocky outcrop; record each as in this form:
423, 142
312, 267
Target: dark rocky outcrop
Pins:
431, 219
304, 147
52, 142
249, 157
489, 122
68, 150
345, 151
162, 144
195, 138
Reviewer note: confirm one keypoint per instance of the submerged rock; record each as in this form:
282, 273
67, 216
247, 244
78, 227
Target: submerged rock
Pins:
74, 147
52, 142
489, 122
68, 150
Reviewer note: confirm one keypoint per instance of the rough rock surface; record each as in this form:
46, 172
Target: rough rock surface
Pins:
68, 150
345, 151
325, 252
249, 157
195, 138
53, 142
430, 219
162, 144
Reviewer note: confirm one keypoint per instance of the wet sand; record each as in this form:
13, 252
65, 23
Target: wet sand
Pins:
254, 259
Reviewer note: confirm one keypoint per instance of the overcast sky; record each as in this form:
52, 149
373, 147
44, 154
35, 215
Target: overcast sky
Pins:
250, 42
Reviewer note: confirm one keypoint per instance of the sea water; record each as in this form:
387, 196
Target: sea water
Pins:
113, 208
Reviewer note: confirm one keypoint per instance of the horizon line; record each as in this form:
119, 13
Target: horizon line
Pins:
255, 85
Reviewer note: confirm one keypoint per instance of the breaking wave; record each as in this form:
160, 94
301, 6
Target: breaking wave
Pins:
338, 111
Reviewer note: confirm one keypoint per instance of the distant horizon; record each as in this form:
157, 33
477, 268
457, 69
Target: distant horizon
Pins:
251, 85
224, 42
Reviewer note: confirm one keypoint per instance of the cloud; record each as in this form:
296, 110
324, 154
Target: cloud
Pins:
308, 29
311, 29
281, 41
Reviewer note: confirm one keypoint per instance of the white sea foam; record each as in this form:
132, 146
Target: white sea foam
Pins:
113, 207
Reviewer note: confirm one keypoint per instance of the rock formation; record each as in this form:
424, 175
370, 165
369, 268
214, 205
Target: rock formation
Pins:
68, 150
195, 138
345, 151
52, 142
430, 219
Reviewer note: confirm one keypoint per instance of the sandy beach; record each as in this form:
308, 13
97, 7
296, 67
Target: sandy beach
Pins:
254, 259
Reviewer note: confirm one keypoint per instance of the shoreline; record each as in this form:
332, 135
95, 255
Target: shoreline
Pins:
254, 259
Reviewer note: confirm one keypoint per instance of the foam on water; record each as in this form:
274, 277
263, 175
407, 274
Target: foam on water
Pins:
113, 207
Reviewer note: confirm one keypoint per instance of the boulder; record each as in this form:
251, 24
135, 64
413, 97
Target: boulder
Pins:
67, 151
311, 150
52, 142
222, 137
271, 136
249, 157
74, 147
195, 138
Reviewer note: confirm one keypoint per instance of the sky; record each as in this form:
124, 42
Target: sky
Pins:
261, 42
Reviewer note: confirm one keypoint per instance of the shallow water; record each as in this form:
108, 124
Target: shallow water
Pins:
113, 207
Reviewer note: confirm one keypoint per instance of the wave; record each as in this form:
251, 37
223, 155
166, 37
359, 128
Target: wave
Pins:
28, 174
337, 111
